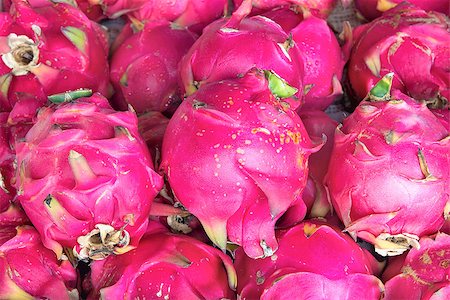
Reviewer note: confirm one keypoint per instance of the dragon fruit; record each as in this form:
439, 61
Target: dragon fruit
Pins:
314, 261
322, 55
319, 8
425, 273
93, 12
48, 50
144, 69
10, 212
389, 171
411, 43
182, 13
232, 46
236, 142
30, 271
166, 265
318, 124
372, 9
85, 178
152, 126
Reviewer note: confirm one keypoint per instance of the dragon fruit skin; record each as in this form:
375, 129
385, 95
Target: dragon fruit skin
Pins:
30, 271
168, 266
318, 125
311, 248
390, 43
425, 271
48, 50
319, 8
372, 9
322, 56
389, 171
84, 171
152, 88
227, 49
183, 13
10, 212
7, 192
93, 12
236, 142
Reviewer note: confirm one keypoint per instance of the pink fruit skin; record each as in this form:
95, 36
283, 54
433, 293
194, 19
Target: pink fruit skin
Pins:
319, 8
392, 42
152, 88
236, 143
425, 273
62, 64
111, 183
10, 212
152, 126
372, 9
93, 12
30, 271
319, 126
165, 266
375, 177
322, 56
183, 13
313, 249
227, 49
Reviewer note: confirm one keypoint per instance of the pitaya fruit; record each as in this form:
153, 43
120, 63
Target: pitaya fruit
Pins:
318, 125
93, 12
246, 156
7, 192
322, 56
232, 46
165, 266
30, 271
152, 126
85, 178
10, 212
182, 13
425, 273
319, 8
389, 171
144, 69
372, 9
48, 50
412, 43
313, 261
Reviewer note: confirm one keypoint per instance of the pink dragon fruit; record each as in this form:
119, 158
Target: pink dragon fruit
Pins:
411, 43
85, 178
389, 171
425, 273
236, 142
10, 212
48, 50
313, 261
152, 126
319, 8
182, 13
322, 55
318, 124
30, 271
93, 12
152, 88
164, 266
232, 46
7, 233
372, 9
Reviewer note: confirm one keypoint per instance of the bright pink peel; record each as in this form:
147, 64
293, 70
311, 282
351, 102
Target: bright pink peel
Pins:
236, 142
83, 172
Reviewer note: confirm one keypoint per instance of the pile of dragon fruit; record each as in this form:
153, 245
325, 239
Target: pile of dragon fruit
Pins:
246, 149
